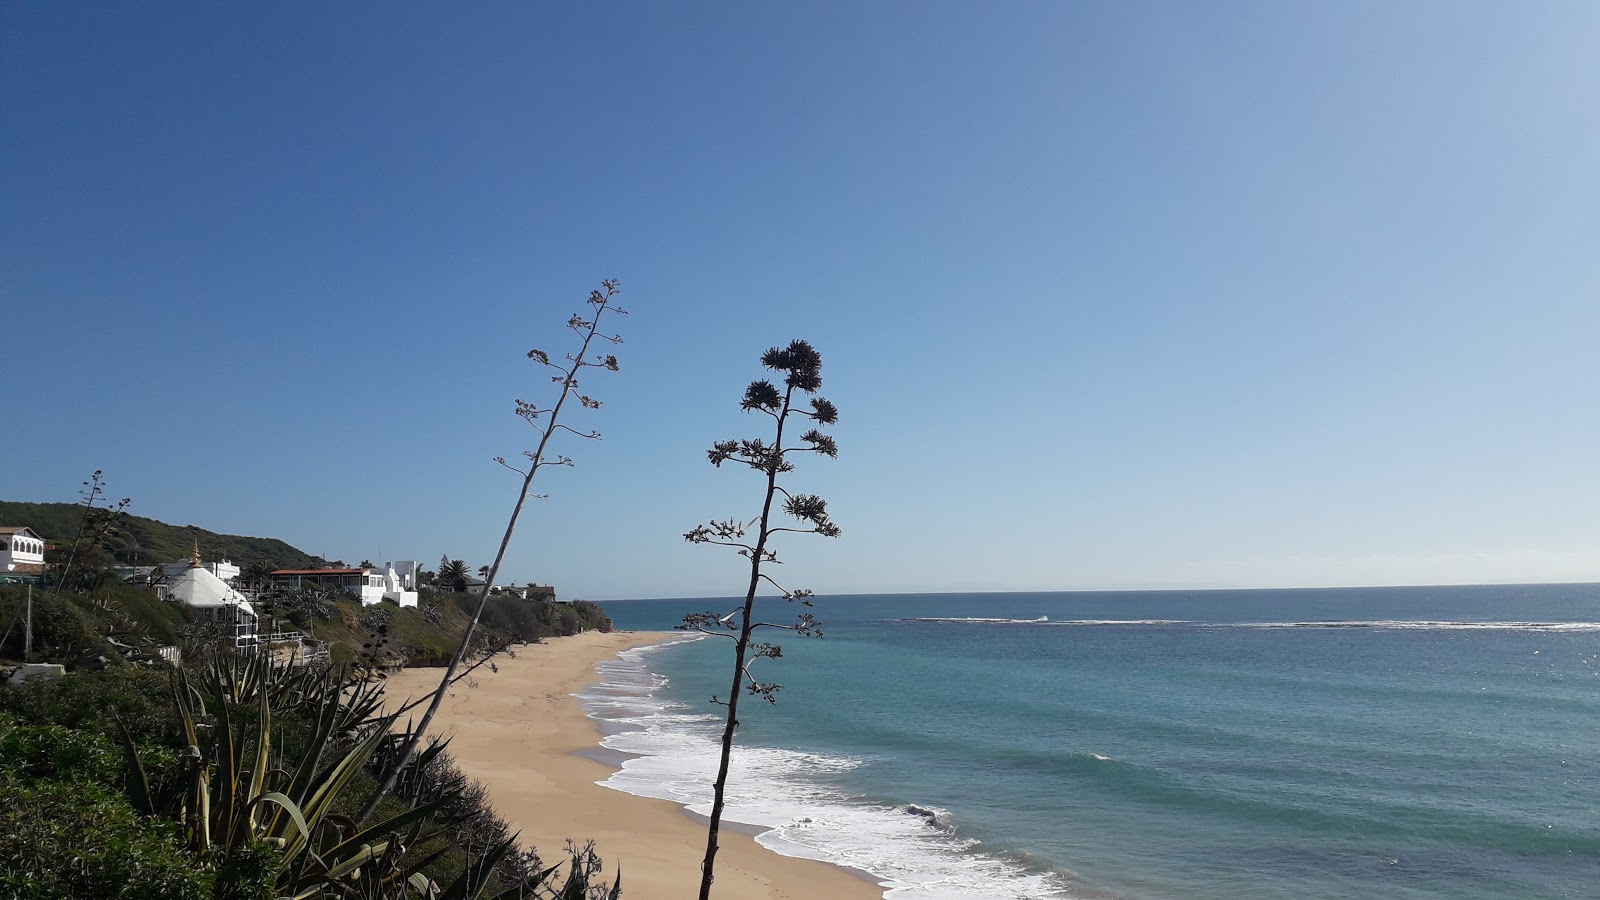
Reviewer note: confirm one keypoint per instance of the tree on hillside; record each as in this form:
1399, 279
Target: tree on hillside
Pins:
256, 574
546, 422
453, 574
97, 526
129, 550
801, 367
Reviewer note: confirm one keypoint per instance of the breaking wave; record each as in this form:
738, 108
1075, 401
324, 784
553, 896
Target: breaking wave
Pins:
1393, 624
914, 851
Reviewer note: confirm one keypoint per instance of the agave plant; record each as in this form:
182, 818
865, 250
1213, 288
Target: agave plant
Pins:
242, 799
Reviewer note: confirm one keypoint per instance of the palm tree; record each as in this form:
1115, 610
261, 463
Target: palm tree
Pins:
256, 574
454, 575
483, 572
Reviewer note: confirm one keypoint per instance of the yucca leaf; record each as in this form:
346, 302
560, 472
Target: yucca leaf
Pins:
528, 888
199, 803
138, 781
289, 808
299, 783
227, 773
258, 773
180, 699
470, 883
577, 886
423, 884
368, 853
338, 777
415, 868
415, 814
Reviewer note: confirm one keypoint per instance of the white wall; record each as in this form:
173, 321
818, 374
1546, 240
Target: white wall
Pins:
407, 569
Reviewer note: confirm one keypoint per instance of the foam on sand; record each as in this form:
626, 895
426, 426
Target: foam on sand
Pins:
670, 752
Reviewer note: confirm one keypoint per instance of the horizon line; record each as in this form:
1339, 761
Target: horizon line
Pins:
1196, 590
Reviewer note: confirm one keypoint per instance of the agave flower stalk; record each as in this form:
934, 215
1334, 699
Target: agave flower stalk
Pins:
801, 367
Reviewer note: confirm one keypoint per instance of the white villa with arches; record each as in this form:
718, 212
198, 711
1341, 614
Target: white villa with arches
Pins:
21, 550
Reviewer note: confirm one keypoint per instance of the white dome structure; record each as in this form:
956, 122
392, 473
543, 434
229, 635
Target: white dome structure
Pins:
196, 587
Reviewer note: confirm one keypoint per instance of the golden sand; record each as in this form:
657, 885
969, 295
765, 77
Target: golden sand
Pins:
518, 731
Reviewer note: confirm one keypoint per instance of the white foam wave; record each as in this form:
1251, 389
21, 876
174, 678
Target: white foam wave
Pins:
980, 620
1043, 620
1400, 624
1122, 622
1422, 625
911, 850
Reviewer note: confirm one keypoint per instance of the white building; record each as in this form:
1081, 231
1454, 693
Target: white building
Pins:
21, 550
400, 589
225, 569
406, 570
370, 586
196, 587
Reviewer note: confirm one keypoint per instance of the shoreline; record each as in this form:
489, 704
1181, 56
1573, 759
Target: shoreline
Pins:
527, 739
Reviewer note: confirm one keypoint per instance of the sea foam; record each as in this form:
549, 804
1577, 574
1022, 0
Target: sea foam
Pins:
1391, 624
670, 752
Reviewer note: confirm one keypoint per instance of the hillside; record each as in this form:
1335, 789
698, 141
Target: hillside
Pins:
142, 541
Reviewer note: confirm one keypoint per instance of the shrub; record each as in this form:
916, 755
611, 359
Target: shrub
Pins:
592, 616
68, 829
73, 839
34, 753
87, 700
64, 628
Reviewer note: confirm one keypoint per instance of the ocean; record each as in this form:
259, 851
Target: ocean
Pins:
1438, 742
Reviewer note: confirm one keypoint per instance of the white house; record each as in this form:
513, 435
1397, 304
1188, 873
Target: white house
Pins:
400, 582
370, 586
406, 570
225, 569
365, 585
21, 550
196, 587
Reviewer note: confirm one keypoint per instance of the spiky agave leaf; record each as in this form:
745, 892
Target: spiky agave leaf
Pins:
475, 877
138, 781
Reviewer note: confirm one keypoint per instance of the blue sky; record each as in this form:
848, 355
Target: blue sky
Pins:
1109, 295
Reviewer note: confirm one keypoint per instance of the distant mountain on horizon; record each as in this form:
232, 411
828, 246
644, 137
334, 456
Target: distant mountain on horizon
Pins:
148, 542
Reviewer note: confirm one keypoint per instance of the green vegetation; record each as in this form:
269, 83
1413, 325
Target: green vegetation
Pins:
240, 780
141, 541
117, 620
452, 575
228, 777
68, 627
801, 366
429, 633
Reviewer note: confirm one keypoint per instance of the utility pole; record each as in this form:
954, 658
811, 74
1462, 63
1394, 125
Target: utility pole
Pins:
27, 629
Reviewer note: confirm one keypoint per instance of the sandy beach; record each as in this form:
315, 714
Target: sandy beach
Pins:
519, 730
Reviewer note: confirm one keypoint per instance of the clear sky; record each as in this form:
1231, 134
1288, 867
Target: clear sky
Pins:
1109, 295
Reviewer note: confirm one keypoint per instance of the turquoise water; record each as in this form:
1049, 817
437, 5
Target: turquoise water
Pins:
1365, 743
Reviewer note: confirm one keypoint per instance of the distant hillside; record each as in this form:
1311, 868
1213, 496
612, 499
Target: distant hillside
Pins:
142, 541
